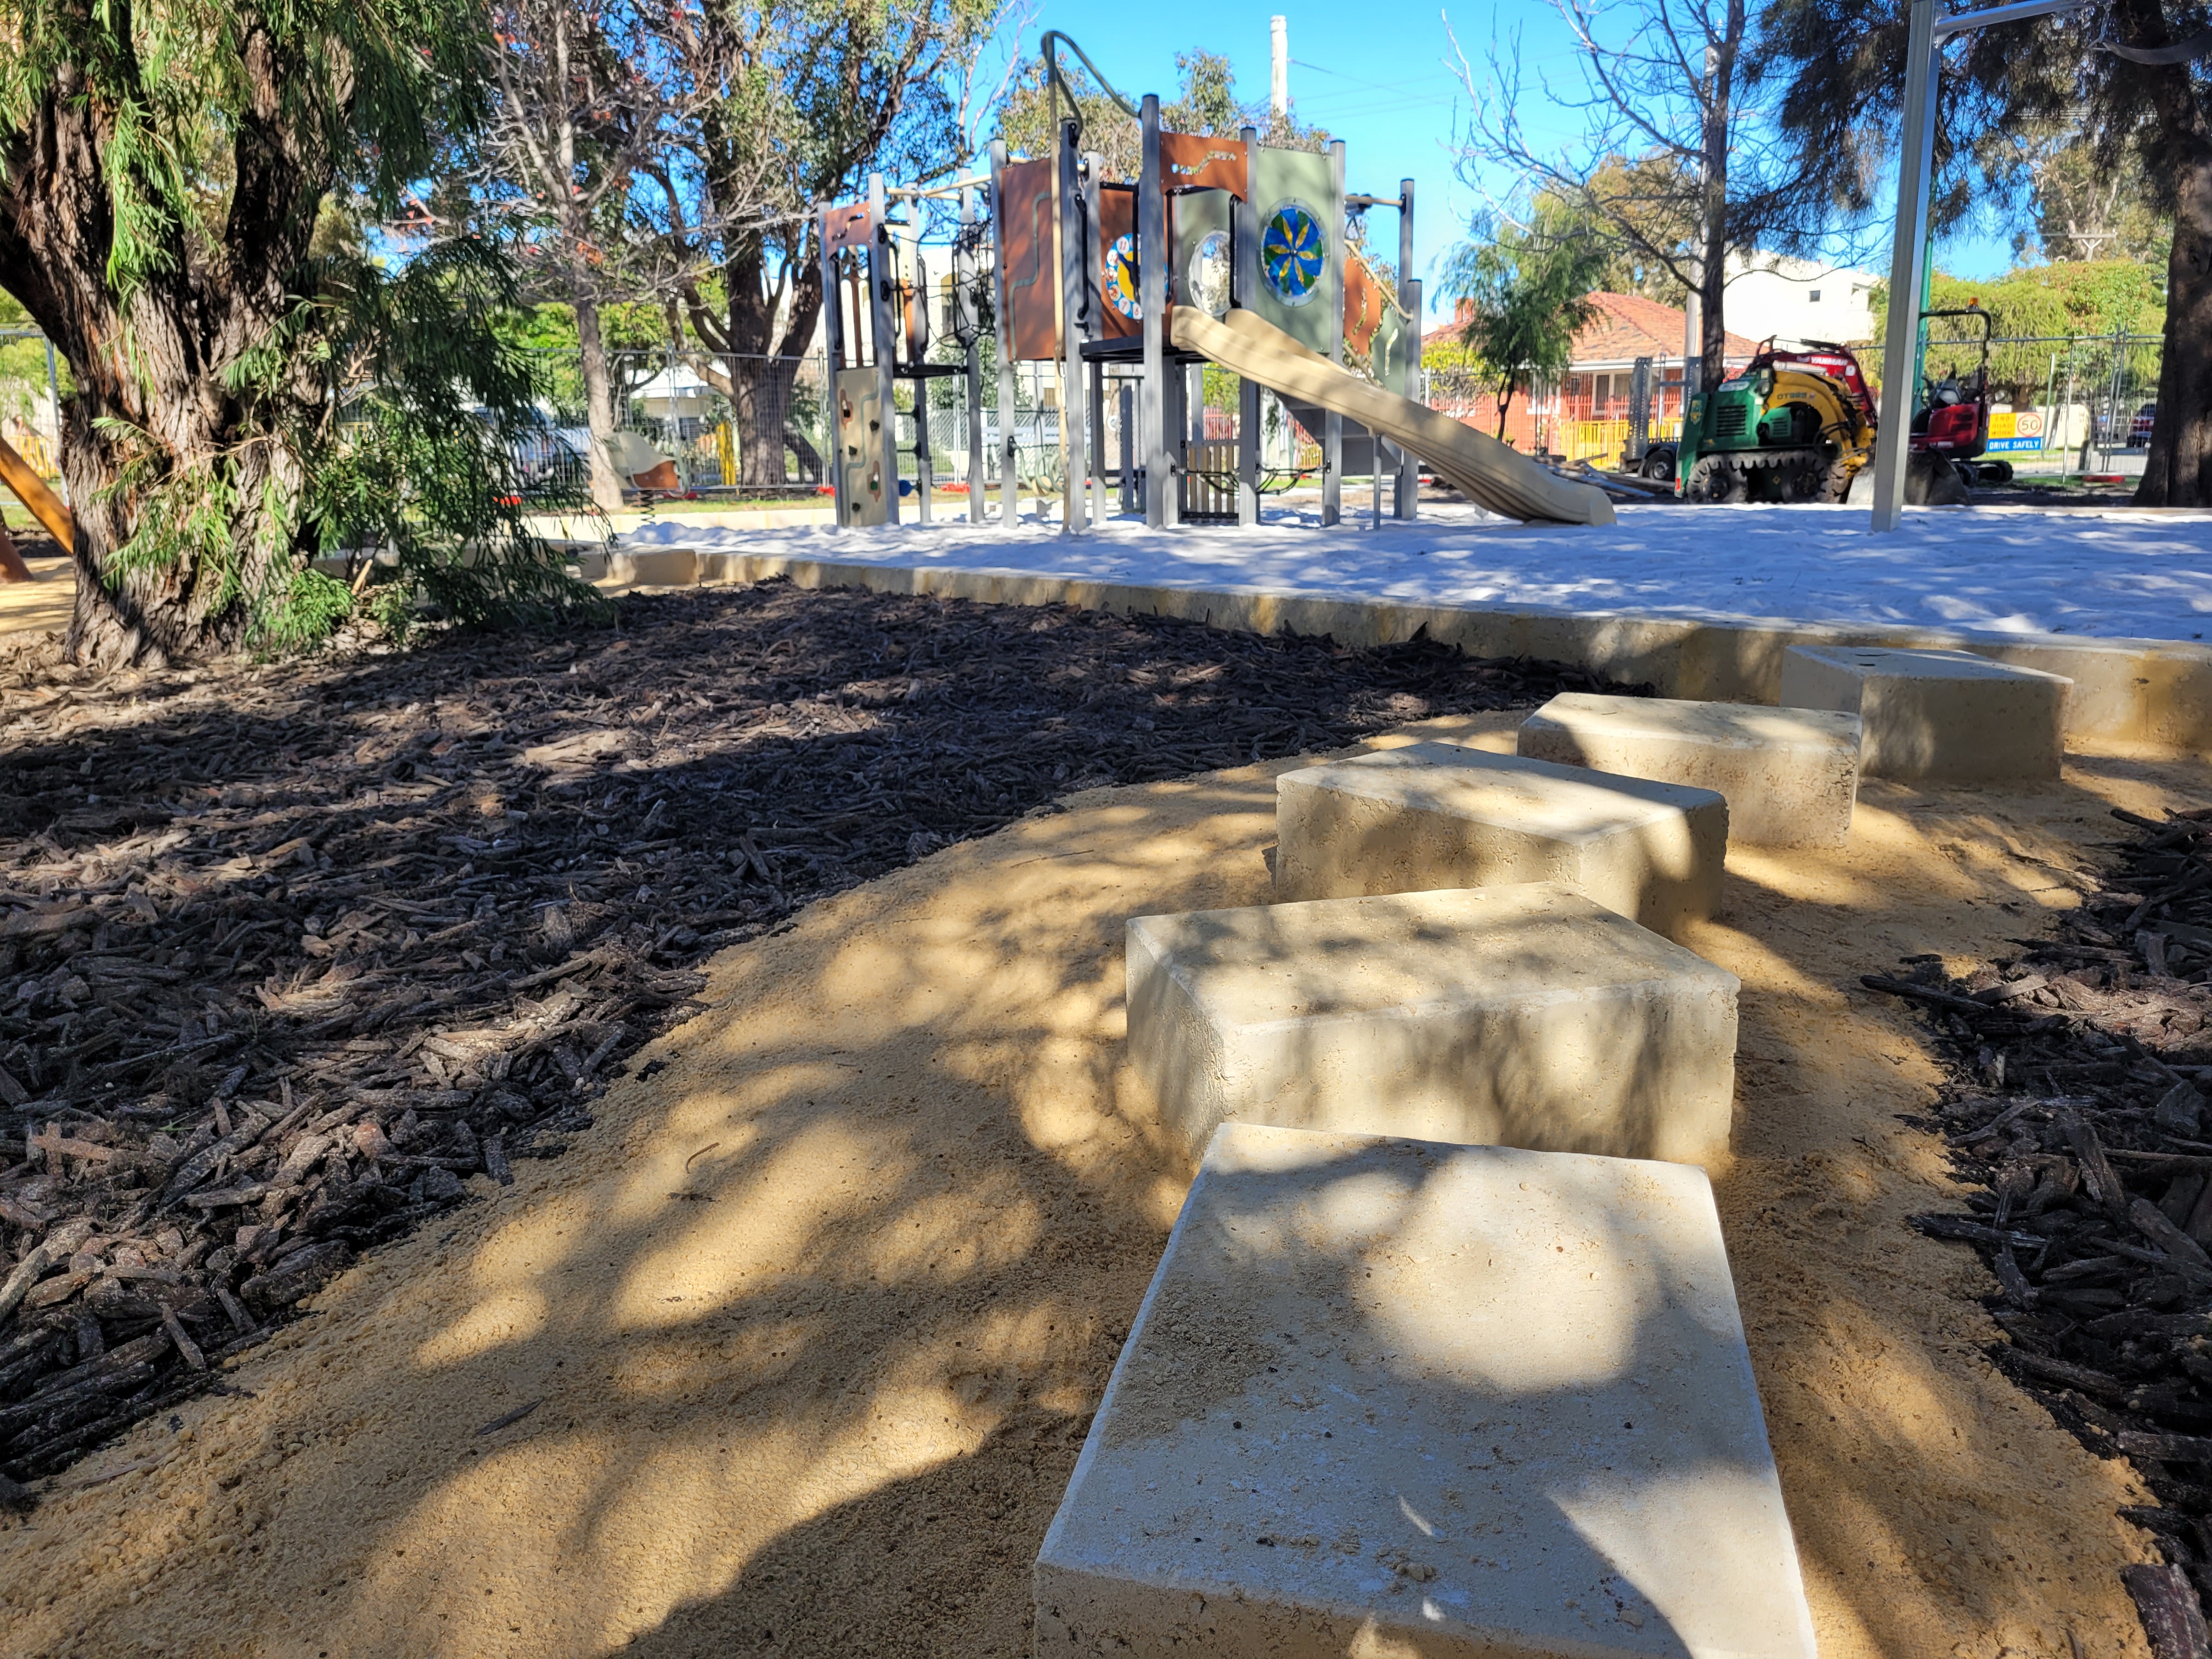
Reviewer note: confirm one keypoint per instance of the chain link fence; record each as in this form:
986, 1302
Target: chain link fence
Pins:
2062, 406
719, 426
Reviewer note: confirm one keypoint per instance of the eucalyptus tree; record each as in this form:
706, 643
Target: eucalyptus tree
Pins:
245, 394
578, 111
2133, 78
792, 102
1657, 141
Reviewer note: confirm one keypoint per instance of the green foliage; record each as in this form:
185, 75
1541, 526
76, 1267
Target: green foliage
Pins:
1526, 294
196, 89
284, 397
1632, 207
428, 463
412, 455
307, 613
2088, 200
23, 367
2088, 298
635, 335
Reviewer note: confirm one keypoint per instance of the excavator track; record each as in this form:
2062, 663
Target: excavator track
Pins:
1806, 474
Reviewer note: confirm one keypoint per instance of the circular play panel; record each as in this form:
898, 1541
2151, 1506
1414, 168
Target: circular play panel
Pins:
1121, 278
1206, 282
1293, 252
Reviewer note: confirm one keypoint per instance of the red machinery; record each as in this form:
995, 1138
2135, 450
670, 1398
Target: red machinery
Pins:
1952, 424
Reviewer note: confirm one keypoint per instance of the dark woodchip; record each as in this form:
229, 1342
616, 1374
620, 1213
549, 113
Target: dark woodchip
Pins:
288, 953
2077, 1126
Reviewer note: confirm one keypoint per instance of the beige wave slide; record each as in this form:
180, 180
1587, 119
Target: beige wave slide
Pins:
1491, 474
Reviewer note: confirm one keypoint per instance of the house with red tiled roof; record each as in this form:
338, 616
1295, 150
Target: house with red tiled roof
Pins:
1576, 415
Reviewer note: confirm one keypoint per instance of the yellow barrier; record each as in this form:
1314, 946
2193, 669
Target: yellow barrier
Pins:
31, 489
1602, 441
39, 451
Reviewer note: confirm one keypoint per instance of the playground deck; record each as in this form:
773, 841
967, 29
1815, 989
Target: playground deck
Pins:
2111, 573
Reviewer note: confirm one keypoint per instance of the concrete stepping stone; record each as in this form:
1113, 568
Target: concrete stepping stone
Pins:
1523, 1016
1791, 775
1435, 815
1386, 1397
1945, 715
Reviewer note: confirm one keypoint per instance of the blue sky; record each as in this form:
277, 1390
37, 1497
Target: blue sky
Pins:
1376, 73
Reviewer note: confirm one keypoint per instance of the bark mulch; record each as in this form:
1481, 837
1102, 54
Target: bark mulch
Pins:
287, 952
2075, 1113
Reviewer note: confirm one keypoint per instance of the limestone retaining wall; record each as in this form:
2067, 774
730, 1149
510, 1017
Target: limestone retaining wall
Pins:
2152, 691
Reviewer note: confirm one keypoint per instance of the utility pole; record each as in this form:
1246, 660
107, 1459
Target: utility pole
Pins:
1278, 70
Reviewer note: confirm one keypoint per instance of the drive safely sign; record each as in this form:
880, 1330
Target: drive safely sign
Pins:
2011, 432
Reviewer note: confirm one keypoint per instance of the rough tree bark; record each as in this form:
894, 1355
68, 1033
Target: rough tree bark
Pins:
755, 365
1713, 202
2177, 471
149, 366
599, 408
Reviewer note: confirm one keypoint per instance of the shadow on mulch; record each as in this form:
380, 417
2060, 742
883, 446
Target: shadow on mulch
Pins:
2075, 1117
289, 952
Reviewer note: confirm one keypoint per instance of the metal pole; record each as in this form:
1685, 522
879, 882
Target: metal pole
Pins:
2050, 391
2065, 443
910, 286
974, 378
1010, 510
1908, 259
54, 392
833, 354
675, 427
1243, 284
882, 274
1093, 255
1074, 448
1128, 469
1406, 501
1152, 274
1332, 425
1908, 262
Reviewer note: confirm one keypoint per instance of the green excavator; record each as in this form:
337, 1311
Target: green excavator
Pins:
1799, 426
1790, 426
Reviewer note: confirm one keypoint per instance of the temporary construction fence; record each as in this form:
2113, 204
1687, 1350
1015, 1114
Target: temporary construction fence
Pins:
2064, 405
725, 424
736, 426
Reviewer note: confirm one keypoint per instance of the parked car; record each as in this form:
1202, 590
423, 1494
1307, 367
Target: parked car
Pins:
2116, 428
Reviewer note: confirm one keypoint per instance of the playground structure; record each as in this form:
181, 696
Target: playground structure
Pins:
1261, 276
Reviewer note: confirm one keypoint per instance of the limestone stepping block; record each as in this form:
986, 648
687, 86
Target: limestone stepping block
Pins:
1435, 815
1791, 775
1523, 1016
1930, 715
1387, 1397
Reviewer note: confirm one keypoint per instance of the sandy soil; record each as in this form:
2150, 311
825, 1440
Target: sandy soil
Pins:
44, 602
817, 1316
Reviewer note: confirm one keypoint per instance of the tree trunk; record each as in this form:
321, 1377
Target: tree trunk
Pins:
1503, 404
599, 408
1713, 217
761, 365
194, 601
151, 361
2177, 471
760, 390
